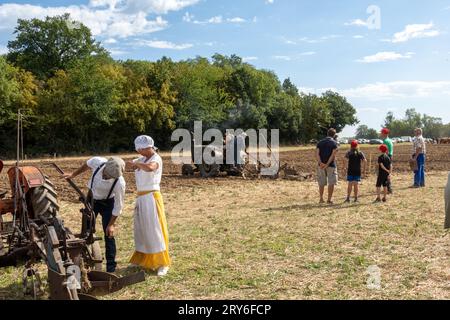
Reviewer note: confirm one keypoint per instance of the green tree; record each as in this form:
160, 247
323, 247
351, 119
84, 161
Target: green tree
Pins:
253, 92
315, 117
45, 46
78, 107
18, 90
341, 111
147, 103
364, 132
201, 94
290, 88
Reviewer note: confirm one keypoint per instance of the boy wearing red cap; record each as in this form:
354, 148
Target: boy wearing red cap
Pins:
355, 160
390, 144
384, 172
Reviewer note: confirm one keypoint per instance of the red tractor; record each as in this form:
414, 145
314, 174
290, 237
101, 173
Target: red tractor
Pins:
31, 231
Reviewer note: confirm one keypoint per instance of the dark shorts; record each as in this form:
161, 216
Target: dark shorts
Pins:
354, 178
383, 180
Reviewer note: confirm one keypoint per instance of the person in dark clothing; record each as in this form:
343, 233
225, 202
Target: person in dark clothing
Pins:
356, 159
327, 171
384, 173
390, 144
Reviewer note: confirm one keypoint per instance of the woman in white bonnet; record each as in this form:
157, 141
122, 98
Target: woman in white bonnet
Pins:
151, 237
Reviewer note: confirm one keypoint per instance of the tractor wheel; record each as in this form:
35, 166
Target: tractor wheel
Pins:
44, 200
209, 170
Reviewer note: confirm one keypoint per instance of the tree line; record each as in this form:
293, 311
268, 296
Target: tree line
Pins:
76, 98
433, 127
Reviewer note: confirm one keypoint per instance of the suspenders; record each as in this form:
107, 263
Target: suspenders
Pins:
113, 185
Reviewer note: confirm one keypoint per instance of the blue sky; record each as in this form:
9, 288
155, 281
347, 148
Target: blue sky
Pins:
399, 61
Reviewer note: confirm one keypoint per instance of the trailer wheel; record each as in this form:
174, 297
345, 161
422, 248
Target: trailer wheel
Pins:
44, 200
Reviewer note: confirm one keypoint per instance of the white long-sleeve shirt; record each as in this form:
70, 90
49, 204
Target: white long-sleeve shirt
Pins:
149, 181
101, 187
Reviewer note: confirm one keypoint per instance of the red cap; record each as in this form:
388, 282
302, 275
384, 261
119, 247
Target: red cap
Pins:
384, 148
354, 144
385, 131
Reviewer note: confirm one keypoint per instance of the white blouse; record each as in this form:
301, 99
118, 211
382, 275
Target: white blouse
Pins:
149, 181
101, 187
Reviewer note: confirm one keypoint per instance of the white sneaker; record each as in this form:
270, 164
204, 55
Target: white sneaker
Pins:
162, 271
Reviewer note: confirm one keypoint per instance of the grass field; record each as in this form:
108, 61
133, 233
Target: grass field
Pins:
264, 239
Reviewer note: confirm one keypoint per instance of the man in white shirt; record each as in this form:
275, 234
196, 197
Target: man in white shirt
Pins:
108, 192
419, 155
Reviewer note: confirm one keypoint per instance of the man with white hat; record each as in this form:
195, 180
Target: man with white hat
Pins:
151, 236
107, 188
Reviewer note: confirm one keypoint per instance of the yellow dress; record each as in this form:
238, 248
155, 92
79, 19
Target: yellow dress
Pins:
151, 236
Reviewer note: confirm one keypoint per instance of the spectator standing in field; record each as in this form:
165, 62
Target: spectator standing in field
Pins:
419, 155
327, 171
384, 172
390, 144
151, 236
356, 159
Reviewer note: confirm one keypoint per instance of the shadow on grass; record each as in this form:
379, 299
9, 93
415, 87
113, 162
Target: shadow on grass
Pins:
14, 292
130, 269
316, 206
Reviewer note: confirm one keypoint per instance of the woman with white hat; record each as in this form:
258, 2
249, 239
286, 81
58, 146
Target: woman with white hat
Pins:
151, 237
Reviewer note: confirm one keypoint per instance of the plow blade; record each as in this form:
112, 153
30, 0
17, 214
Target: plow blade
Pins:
104, 283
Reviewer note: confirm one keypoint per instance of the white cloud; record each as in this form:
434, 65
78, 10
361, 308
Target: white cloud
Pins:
285, 58
157, 44
213, 20
117, 52
358, 23
188, 17
270, 1
364, 110
107, 22
3, 50
385, 56
384, 91
297, 56
246, 59
416, 31
309, 40
358, 37
236, 20
110, 41
399, 89
290, 42
317, 91
156, 6
104, 3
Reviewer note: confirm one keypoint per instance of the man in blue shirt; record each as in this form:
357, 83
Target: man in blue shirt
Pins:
327, 171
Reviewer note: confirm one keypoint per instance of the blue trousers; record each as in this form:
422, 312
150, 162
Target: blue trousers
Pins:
419, 175
105, 208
